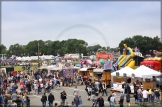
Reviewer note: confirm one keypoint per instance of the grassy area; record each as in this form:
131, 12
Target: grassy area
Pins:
16, 68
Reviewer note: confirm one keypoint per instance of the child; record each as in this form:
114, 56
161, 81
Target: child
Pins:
80, 101
139, 100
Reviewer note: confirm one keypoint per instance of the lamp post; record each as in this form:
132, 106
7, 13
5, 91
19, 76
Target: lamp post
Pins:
38, 54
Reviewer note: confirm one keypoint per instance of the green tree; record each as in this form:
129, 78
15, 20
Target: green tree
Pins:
3, 49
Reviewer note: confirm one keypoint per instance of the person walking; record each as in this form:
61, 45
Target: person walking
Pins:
63, 97
76, 101
100, 101
145, 97
112, 101
104, 89
108, 99
43, 100
51, 98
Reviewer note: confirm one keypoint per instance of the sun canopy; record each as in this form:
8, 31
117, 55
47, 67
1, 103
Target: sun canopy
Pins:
83, 69
129, 71
146, 72
98, 70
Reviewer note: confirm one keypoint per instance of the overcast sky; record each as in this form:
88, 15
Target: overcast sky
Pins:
94, 22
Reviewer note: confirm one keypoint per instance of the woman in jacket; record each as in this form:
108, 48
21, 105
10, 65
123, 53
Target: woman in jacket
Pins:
63, 97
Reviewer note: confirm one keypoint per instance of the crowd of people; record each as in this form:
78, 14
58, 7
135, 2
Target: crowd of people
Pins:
16, 89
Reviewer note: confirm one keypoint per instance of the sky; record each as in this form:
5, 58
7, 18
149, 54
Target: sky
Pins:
104, 23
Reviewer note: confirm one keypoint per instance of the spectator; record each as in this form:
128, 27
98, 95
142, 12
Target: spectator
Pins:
100, 101
43, 100
157, 94
145, 97
51, 98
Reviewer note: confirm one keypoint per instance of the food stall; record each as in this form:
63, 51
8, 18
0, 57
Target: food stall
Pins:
97, 74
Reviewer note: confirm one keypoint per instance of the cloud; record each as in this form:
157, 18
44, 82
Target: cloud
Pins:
26, 21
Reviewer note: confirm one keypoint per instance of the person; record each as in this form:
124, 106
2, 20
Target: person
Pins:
66, 105
100, 101
63, 97
61, 104
108, 99
80, 101
121, 101
113, 100
76, 100
43, 100
149, 94
145, 96
139, 100
104, 89
152, 97
93, 97
135, 95
51, 98
89, 89
122, 95
55, 105
72, 104
157, 95
27, 101
14, 96
76, 91
128, 99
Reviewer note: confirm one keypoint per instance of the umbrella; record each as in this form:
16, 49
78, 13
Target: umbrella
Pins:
101, 61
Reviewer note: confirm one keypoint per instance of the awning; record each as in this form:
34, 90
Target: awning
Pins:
98, 70
83, 69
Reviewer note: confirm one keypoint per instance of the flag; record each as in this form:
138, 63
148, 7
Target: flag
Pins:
135, 49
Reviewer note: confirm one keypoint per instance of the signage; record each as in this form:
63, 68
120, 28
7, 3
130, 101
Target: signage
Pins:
104, 56
67, 72
67, 64
108, 65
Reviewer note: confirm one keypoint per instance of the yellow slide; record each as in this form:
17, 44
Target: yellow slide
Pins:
121, 61
121, 56
127, 57
132, 64
128, 62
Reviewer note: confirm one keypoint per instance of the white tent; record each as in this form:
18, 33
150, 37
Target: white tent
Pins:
129, 71
18, 58
146, 72
83, 69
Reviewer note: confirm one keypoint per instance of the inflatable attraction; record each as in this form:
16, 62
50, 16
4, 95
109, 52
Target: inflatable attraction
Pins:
126, 59
154, 62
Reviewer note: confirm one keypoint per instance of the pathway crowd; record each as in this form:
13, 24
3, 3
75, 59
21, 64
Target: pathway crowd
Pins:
15, 91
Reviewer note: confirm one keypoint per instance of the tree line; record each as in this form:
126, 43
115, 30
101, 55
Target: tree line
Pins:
144, 43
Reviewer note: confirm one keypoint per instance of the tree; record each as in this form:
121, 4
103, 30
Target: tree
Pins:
143, 43
3, 49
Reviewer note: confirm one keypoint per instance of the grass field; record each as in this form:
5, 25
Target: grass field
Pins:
16, 68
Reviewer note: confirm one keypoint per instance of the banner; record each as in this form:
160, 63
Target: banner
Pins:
67, 72
104, 56
108, 65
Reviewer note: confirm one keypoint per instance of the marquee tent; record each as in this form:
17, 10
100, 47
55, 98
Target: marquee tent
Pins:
129, 71
83, 69
144, 71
